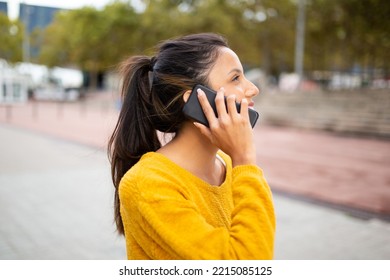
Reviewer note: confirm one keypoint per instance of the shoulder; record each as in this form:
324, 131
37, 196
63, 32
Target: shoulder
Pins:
150, 166
153, 173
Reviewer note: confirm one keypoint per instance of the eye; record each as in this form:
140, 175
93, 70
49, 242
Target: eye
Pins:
236, 78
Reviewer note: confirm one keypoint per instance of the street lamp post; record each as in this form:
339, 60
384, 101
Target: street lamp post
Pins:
300, 40
26, 34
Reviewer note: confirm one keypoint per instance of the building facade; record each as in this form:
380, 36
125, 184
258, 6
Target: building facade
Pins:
34, 18
4, 7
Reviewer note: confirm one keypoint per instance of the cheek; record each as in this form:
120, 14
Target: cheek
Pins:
237, 90
215, 86
215, 83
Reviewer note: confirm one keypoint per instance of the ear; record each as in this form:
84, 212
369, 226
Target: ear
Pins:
186, 95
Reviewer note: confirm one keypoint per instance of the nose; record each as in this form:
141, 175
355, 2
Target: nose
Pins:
251, 90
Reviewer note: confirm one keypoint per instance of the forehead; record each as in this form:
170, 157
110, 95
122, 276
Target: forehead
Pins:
227, 60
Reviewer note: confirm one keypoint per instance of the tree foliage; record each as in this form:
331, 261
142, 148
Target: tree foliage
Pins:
11, 37
339, 33
344, 33
92, 39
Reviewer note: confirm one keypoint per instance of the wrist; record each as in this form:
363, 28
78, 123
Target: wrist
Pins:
244, 159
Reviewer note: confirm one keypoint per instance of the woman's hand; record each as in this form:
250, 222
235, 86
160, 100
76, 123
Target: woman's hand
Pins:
231, 131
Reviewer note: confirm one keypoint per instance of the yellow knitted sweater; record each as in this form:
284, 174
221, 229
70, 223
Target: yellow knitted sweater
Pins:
169, 213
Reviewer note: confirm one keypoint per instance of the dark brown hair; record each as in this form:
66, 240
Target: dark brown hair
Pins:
152, 100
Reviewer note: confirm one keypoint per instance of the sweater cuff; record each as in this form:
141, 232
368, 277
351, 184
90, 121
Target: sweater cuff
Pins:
247, 169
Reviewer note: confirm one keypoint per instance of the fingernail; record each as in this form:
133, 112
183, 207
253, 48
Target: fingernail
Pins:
200, 92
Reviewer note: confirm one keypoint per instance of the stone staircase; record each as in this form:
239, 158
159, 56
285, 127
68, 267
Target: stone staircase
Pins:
363, 112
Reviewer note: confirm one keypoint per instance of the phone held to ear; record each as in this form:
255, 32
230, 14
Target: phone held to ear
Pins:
194, 111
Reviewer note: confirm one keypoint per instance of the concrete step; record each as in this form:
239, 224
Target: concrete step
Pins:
360, 112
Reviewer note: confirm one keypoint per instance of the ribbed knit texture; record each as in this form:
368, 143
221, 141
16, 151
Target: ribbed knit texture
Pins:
169, 213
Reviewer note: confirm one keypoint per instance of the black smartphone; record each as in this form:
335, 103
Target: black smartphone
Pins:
193, 109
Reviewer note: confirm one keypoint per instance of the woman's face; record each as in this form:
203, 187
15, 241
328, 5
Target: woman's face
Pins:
228, 73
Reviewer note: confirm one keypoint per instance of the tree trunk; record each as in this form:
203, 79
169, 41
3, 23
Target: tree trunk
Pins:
93, 80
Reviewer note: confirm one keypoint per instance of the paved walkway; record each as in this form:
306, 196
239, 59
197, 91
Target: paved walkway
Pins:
55, 199
56, 195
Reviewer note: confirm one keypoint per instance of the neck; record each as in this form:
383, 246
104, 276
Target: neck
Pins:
194, 152
192, 145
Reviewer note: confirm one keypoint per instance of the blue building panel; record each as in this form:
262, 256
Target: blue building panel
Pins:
4, 7
36, 16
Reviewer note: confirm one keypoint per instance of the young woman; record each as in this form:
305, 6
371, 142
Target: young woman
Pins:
201, 195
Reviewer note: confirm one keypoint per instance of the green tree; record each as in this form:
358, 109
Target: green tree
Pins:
339, 33
367, 29
267, 43
11, 38
266, 33
161, 19
343, 33
93, 40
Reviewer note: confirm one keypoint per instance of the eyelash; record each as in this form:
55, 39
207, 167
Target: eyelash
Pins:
236, 78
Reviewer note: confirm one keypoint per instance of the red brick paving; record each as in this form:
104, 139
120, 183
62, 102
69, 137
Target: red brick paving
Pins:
346, 171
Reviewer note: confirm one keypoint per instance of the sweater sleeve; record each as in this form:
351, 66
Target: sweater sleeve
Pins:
167, 225
253, 213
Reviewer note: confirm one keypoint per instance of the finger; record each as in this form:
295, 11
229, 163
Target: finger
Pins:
206, 107
220, 103
244, 108
231, 105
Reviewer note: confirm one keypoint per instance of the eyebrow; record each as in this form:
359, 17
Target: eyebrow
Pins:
235, 70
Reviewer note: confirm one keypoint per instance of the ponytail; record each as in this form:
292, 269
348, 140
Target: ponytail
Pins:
134, 133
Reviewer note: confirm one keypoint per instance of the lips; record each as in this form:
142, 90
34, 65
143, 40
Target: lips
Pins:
251, 104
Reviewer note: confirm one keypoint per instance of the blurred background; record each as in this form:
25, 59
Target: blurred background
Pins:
323, 68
